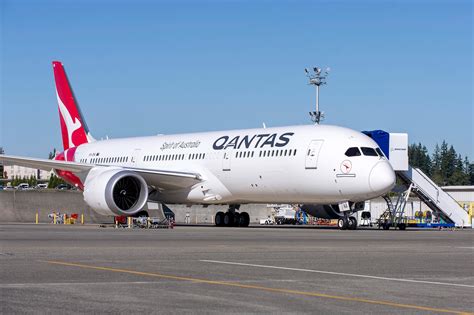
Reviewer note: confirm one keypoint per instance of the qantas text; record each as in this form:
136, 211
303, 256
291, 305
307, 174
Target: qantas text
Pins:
254, 142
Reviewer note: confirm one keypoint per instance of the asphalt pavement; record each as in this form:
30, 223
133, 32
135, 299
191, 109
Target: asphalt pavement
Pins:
206, 269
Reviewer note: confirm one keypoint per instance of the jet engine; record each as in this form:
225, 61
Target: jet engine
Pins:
323, 211
112, 191
330, 211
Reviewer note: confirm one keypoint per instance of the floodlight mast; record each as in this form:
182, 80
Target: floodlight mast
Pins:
317, 78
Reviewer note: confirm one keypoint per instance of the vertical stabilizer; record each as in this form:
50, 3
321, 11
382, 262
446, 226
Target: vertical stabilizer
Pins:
73, 126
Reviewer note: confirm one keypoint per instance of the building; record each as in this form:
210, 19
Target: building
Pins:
464, 195
12, 171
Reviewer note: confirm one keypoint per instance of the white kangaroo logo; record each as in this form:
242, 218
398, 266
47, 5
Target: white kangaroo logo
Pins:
71, 125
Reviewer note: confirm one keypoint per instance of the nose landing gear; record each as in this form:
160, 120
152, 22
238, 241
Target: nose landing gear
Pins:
347, 223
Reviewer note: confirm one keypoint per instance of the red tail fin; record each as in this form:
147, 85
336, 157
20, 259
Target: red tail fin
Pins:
73, 126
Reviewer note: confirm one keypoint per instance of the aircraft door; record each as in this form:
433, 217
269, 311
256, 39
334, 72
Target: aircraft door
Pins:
135, 157
312, 154
226, 161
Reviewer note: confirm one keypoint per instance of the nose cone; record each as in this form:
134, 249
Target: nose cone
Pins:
382, 178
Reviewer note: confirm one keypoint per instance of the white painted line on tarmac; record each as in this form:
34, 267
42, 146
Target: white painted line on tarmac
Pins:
338, 273
53, 284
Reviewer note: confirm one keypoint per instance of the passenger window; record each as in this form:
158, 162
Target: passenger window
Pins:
369, 151
353, 152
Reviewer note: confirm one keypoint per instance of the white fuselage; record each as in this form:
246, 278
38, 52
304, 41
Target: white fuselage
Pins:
294, 164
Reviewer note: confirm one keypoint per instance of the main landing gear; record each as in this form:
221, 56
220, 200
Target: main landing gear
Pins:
232, 217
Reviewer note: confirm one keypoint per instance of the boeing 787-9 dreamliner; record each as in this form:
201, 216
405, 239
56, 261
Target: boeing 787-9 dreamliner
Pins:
329, 170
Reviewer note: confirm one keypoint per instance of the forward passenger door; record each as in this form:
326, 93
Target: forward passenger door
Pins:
312, 154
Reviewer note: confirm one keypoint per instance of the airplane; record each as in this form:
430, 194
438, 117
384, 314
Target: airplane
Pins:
329, 170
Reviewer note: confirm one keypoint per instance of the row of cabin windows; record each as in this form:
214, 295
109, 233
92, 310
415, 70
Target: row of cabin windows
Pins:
174, 157
117, 159
354, 151
266, 153
193, 156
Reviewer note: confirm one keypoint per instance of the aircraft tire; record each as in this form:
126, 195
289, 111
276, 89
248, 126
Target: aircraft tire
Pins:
386, 226
219, 219
402, 226
342, 223
228, 219
352, 223
236, 221
244, 219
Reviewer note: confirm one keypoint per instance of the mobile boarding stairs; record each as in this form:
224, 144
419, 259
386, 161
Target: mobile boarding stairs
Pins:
395, 147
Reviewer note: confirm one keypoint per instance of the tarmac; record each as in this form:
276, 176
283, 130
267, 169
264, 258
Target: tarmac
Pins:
207, 269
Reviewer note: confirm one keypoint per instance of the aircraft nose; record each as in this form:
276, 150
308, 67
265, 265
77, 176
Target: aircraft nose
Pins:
382, 177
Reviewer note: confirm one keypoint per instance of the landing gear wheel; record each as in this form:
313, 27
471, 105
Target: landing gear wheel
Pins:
402, 226
244, 219
228, 219
342, 223
386, 226
219, 220
236, 221
352, 223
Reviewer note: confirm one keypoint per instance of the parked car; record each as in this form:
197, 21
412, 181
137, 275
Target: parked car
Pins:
64, 187
1, 187
267, 221
23, 186
41, 186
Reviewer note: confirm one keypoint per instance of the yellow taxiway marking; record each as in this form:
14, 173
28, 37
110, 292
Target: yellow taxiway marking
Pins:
256, 287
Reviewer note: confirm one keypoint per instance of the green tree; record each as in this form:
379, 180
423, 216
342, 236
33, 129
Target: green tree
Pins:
436, 175
55, 181
32, 181
459, 177
471, 173
1, 165
52, 181
419, 157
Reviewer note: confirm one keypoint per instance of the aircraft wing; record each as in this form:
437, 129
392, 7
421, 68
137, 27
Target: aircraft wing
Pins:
45, 164
164, 179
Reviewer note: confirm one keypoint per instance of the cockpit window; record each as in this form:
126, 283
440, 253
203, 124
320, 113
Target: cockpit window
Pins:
353, 152
380, 152
369, 151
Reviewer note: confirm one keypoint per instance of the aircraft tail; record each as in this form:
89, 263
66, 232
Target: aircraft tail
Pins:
74, 129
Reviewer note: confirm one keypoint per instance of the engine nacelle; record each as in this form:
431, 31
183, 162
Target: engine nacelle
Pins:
323, 211
112, 191
330, 211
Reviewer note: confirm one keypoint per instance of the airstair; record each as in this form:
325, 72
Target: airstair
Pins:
395, 148
434, 197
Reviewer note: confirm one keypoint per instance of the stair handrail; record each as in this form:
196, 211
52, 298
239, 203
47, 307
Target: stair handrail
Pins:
438, 189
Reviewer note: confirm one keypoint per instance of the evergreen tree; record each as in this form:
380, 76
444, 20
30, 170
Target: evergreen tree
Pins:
1, 165
54, 181
436, 175
419, 157
471, 173
459, 177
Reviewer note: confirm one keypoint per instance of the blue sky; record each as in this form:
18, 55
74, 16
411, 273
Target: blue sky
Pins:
149, 67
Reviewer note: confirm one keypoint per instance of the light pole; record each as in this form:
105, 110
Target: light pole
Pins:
317, 78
